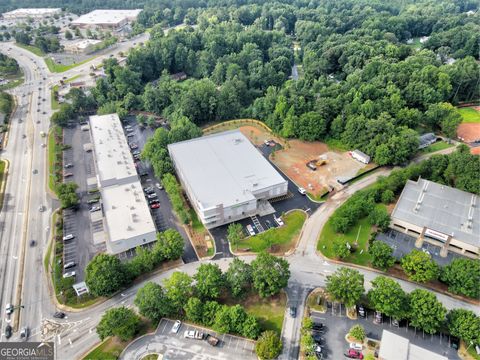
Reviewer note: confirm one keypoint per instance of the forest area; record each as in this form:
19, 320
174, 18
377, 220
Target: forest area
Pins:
363, 83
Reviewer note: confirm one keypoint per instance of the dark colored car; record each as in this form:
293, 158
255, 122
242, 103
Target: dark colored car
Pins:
8, 331
293, 311
454, 343
59, 315
318, 338
33, 243
318, 326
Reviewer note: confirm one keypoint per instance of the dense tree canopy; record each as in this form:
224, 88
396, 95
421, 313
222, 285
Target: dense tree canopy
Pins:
426, 312
388, 297
345, 285
105, 275
270, 274
462, 277
419, 266
121, 322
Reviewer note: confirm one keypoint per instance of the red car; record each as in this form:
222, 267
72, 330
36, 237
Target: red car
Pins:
155, 206
354, 354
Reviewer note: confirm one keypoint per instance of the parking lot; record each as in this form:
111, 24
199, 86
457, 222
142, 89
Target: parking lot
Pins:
403, 244
293, 200
176, 346
338, 324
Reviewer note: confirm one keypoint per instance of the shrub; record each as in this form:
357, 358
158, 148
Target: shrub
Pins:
357, 332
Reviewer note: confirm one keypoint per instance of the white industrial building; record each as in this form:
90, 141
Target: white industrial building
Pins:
225, 177
106, 19
127, 217
440, 215
81, 46
360, 156
39, 13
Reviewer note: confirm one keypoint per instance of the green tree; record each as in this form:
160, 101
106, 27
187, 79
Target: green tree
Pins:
426, 312
462, 277
268, 346
345, 285
357, 332
178, 288
340, 248
419, 266
169, 245
223, 322
194, 310
250, 327
238, 277
379, 216
388, 196
105, 275
270, 274
152, 302
209, 281
68, 35
210, 310
67, 195
465, 325
141, 119
381, 255
388, 297
121, 322
234, 234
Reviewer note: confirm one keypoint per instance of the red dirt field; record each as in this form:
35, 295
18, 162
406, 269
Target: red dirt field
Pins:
258, 135
468, 132
293, 158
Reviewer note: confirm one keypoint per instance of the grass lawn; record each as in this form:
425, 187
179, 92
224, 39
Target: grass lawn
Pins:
2, 174
473, 354
416, 43
316, 301
269, 311
334, 144
58, 68
33, 49
55, 104
12, 84
150, 357
73, 78
196, 223
469, 115
362, 229
53, 149
439, 145
112, 347
281, 238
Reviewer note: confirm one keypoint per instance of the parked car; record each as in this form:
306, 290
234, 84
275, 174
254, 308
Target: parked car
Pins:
69, 274
8, 331
212, 340
95, 208
356, 346
454, 343
293, 311
133, 146
155, 206
279, 221
152, 196
193, 334
317, 337
67, 174
68, 166
250, 230
69, 265
302, 191
159, 186
68, 237
377, 319
59, 315
41, 208
266, 142
148, 190
354, 354
136, 152
176, 326
93, 201
318, 326
9, 309
361, 311
268, 223
154, 201
395, 322
33, 243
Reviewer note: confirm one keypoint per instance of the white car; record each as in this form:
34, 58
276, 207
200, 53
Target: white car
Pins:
68, 237
69, 274
176, 326
279, 221
250, 230
302, 191
9, 309
356, 346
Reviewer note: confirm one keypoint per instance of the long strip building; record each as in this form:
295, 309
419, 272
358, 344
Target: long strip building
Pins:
127, 218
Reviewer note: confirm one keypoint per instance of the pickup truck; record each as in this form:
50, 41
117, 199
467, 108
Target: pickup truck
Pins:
193, 334
212, 340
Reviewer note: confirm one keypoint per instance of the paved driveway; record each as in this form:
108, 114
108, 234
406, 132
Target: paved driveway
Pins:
175, 346
338, 325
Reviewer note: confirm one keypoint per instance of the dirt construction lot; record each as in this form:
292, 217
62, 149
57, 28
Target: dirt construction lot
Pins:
469, 132
293, 162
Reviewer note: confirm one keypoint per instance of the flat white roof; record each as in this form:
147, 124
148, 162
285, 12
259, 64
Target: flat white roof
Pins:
82, 44
112, 153
126, 211
106, 17
33, 11
223, 168
396, 347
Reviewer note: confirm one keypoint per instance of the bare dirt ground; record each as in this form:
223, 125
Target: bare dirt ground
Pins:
469, 132
293, 159
258, 135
